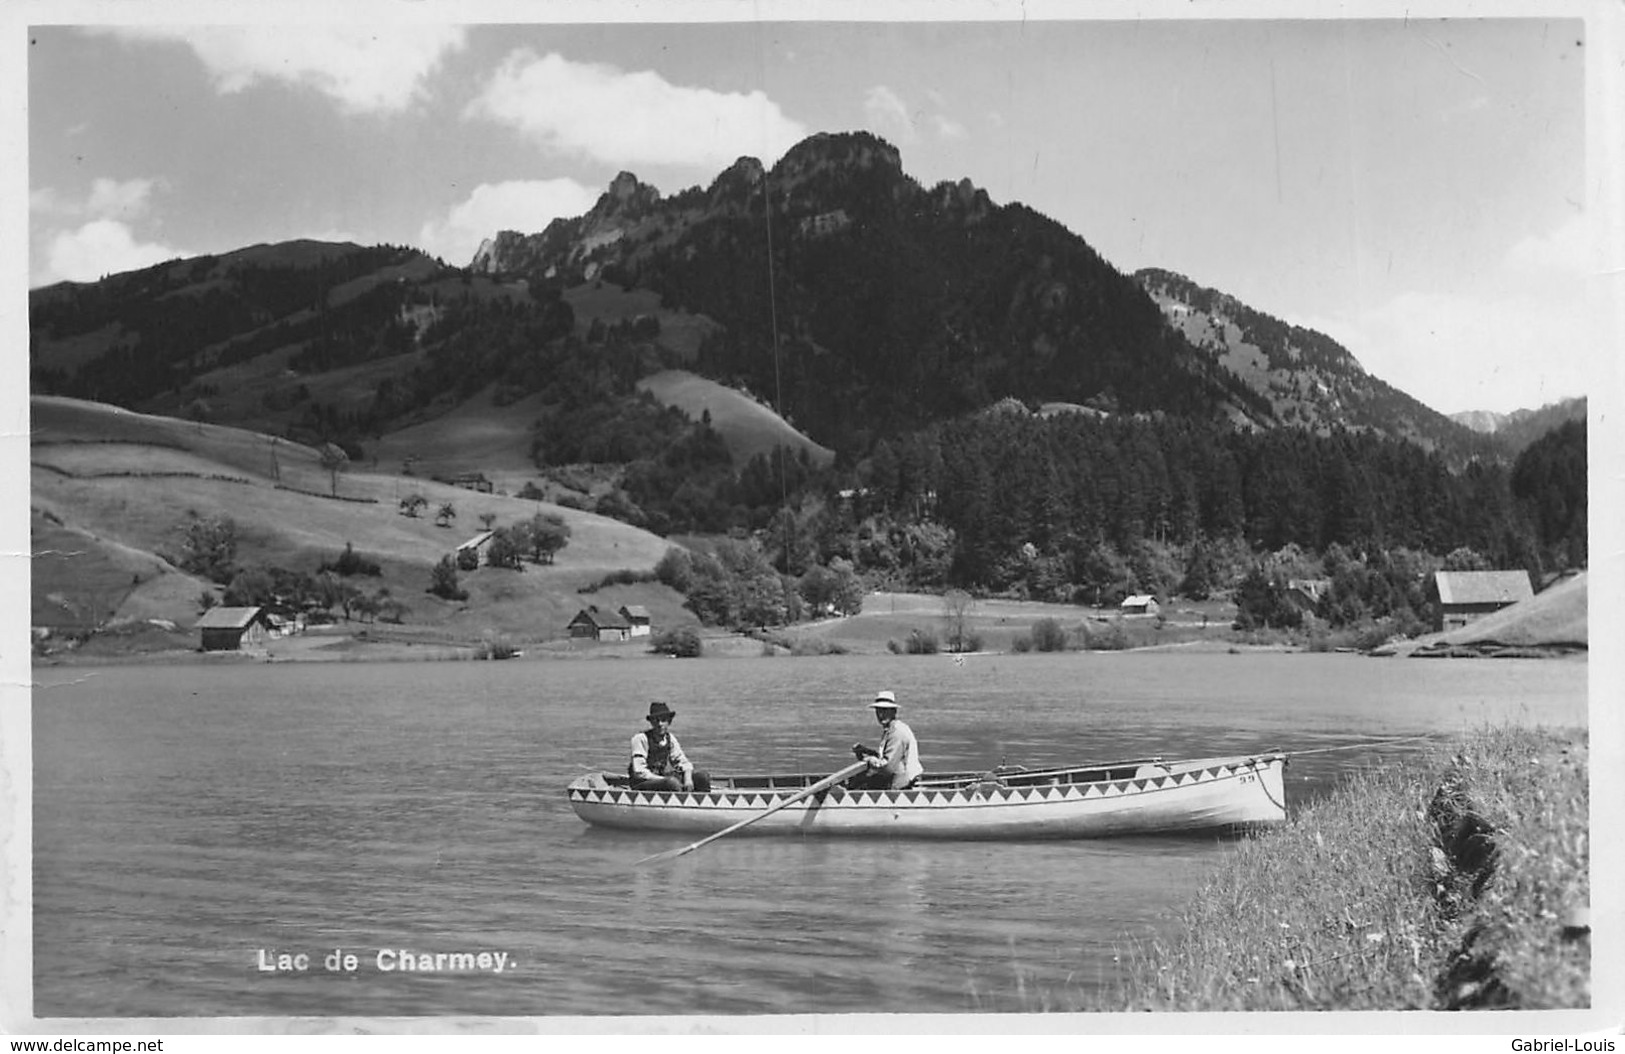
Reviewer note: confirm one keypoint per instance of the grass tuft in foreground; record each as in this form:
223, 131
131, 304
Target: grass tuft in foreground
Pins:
1457, 881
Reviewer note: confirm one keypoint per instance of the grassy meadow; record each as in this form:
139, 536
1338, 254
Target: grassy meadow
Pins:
1457, 882
111, 492
748, 427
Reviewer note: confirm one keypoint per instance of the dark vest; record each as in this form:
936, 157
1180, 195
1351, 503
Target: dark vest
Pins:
659, 754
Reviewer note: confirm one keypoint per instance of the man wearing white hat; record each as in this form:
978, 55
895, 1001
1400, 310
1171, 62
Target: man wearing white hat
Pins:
897, 763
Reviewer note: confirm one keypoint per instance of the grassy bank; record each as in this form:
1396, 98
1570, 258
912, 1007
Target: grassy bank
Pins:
1459, 881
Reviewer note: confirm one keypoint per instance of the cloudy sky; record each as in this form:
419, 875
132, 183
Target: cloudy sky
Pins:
1417, 189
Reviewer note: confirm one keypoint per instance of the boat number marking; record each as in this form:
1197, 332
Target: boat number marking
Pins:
1248, 777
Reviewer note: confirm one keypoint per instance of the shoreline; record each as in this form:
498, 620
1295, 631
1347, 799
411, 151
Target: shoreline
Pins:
361, 647
1466, 887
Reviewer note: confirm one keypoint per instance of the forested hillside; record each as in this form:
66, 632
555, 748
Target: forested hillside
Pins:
1070, 505
1307, 379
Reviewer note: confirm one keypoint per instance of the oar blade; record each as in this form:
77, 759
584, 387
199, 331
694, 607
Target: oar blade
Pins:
661, 858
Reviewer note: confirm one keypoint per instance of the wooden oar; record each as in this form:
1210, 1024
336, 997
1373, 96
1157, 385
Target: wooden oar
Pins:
822, 785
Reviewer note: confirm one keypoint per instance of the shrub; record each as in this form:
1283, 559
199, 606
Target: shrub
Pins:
623, 577
209, 548
443, 581
1021, 645
923, 642
683, 642
351, 563
676, 569
1048, 635
495, 649
815, 646
1112, 637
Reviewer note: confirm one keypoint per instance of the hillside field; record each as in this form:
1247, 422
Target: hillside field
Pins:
747, 426
104, 518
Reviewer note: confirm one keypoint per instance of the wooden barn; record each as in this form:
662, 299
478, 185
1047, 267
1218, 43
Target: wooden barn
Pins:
1468, 595
478, 543
1139, 604
592, 623
230, 629
638, 618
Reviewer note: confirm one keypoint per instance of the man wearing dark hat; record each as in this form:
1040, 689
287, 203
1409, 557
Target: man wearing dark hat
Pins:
658, 761
896, 764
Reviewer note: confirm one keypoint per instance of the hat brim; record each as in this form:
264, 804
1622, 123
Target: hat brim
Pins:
881, 705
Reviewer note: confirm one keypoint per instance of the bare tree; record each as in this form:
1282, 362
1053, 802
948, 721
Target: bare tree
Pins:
956, 608
334, 460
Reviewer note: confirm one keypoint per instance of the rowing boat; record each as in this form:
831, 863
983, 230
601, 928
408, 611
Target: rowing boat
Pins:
1137, 796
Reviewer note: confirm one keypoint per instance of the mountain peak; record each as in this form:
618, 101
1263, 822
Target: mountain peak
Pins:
626, 196
849, 149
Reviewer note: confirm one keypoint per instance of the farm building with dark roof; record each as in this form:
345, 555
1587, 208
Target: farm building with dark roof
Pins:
1468, 595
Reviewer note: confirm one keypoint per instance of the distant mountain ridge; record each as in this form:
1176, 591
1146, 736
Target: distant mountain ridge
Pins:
1308, 378
833, 287
893, 299
1516, 430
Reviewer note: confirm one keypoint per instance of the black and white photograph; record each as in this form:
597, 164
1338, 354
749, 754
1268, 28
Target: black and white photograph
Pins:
813, 519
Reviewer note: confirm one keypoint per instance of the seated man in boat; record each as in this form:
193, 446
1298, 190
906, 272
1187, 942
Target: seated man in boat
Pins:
897, 763
658, 761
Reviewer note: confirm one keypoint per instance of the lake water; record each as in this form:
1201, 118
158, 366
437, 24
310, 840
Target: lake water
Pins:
190, 820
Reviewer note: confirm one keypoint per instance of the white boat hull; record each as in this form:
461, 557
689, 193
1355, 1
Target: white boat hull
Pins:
1235, 792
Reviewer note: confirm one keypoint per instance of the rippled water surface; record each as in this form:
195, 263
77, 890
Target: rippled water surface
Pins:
188, 819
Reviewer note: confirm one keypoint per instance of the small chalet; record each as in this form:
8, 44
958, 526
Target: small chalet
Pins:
1305, 594
1139, 604
638, 618
478, 542
592, 623
1468, 595
230, 629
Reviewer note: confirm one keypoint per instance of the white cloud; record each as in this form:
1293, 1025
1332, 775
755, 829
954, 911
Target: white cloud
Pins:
44, 200
127, 199
102, 247
623, 118
105, 242
890, 116
886, 110
365, 68
525, 206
